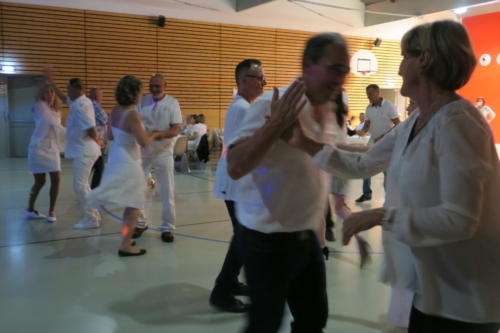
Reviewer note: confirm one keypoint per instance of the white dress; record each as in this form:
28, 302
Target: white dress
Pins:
46, 141
123, 182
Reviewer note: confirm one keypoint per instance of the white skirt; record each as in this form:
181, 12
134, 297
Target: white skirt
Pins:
43, 160
123, 183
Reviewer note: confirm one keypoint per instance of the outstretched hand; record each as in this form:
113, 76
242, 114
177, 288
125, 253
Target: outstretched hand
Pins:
361, 221
284, 110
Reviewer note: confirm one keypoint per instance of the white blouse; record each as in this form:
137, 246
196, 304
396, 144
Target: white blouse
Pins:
442, 228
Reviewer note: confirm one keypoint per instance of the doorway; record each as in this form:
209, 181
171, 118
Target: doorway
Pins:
21, 93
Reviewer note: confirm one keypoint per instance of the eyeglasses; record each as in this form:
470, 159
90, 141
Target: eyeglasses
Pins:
260, 78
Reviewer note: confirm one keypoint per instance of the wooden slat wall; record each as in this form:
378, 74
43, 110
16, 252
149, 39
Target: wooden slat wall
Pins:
189, 56
117, 45
197, 58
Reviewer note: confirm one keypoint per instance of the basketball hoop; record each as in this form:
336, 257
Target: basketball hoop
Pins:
364, 73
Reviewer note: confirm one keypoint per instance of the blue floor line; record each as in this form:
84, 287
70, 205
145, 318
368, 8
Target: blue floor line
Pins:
116, 217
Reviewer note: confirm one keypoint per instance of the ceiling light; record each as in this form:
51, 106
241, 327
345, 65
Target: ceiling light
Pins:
460, 11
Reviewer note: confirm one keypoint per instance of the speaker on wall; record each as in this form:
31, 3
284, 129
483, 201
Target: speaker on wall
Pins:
377, 42
161, 21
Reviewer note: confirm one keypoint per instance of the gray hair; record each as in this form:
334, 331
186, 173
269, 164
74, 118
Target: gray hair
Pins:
452, 59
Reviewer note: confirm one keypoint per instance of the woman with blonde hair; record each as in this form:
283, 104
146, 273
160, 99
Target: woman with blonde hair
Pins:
440, 221
46, 144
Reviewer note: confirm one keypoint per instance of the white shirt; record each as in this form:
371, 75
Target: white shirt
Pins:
81, 117
486, 110
160, 116
286, 192
200, 129
224, 186
380, 118
442, 238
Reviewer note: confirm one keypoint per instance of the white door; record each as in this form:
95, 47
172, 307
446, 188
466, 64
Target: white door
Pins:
4, 118
22, 92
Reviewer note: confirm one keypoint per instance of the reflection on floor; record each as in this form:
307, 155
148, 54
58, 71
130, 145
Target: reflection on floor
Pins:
58, 280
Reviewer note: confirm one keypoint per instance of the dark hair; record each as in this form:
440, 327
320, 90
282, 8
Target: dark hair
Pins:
127, 90
373, 86
200, 118
315, 46
341, 111
76, 83
243, 67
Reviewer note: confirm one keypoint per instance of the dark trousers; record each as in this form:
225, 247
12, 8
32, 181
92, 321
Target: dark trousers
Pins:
367, 187
228, 276
98, 169
424, 323
284, 268
329, 218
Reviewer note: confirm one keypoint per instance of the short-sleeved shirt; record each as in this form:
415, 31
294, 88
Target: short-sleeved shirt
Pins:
81, 118
380, 118
160, 116
101, 118
224, 186
287, 191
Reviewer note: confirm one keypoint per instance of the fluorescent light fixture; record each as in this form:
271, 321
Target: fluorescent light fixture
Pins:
460, 11
8, 69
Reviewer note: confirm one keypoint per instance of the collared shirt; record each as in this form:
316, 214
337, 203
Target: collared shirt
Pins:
159, 115
441, 232
81, 118
101, 118
286, 192
380, 118
224, 186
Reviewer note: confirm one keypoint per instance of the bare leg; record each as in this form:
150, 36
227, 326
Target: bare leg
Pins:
35, 189
130, 216
55, 178
343, 211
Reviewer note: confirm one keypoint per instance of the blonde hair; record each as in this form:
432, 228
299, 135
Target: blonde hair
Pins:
40, 96
452, 59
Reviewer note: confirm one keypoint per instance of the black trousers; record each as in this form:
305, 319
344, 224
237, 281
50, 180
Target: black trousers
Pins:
424, 323
98, 169
228, 276
284, 268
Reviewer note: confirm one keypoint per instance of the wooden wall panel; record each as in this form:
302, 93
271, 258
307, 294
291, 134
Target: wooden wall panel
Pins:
197, 58
37, 36
188, 54
117, 45
241, 42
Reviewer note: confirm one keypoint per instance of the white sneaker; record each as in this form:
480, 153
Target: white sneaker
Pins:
87, 224
51, 219
34, 215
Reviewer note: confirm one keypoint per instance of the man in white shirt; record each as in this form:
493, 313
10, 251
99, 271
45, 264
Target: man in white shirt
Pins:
82, 145
381, 117
281, 194
250, 80
160, 112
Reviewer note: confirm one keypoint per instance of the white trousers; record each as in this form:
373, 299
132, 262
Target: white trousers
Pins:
163, 165
82, 167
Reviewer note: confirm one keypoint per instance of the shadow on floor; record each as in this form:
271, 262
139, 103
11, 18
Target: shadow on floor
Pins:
178, 303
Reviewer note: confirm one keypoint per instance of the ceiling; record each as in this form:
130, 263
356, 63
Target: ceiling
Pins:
310, 15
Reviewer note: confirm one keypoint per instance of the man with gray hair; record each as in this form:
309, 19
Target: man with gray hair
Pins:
160, 112
250, 79
281, 192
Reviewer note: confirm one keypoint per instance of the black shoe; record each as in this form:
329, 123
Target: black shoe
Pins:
363, 198
129, 254
138, 232
240, 289
326, 252
227, 303
330, 235
167, 237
